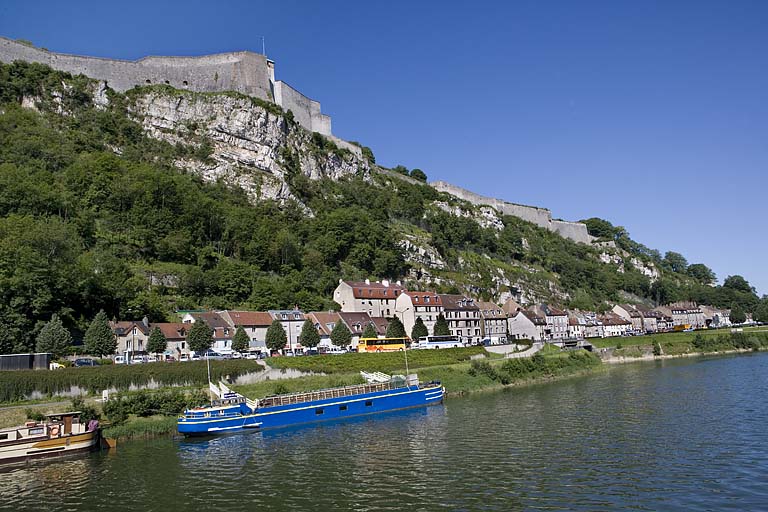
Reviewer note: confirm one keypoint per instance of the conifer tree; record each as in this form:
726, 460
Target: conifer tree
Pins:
240, 341
419, 330
341, 335
99, 338
441, 326
370, 331
200, 337
53, 337
395, 328
309, 335
276, 337
157, 342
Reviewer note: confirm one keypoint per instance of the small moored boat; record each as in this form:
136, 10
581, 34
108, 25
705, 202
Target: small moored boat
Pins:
59, 434
231, 412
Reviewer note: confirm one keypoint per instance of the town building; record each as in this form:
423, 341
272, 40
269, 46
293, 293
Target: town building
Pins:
411, 305
223, 331
493, 326
324, 322
131, 336
357, 322
292, 321
687, 313
556, 320
255, 325
614, 325
176, 338
463, 317
715, 318
526, 325
376, 299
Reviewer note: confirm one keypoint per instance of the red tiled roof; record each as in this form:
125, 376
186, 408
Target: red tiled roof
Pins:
212, 318
362, 290
458, 302
251, 318
353, 319
421, 297
322, 319
171, 330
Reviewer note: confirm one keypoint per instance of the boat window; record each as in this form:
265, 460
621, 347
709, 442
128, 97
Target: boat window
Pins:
3, 436
342, 407
318, 411
368, 403
38, 430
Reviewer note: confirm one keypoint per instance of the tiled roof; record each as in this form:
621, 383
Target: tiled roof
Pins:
321, 320
355, 321
173, 331
212, 318
381, 324
250, 318
424, 298
533, 317
363, 290
458, 302
124, 327
277, 314
490, 310
551, 310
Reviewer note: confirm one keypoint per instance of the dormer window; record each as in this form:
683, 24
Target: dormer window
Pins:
416, 299
297, 316
426, 299
285, 316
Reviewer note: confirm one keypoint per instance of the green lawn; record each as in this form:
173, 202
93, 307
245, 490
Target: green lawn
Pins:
664, 338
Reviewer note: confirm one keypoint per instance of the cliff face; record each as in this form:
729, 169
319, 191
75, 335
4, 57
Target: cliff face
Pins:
251, 146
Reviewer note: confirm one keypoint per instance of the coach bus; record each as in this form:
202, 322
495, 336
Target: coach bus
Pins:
381, 344
438, 342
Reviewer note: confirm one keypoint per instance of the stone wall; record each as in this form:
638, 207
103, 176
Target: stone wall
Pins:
305, 110
245, 72
542, 217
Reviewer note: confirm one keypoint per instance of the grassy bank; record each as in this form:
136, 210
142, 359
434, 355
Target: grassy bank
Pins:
387, 362
142, 428
682, 343
19, 385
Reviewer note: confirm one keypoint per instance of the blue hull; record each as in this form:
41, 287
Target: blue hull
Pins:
310, 412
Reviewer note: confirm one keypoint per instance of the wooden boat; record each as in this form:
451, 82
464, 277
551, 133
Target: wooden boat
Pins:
59, 434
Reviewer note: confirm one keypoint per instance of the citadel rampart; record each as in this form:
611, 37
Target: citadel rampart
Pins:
542, 217
246, 72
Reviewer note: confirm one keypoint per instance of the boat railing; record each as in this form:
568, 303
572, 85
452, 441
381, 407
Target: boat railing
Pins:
326, 394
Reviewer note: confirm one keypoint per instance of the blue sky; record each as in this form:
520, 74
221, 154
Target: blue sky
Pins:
653, 115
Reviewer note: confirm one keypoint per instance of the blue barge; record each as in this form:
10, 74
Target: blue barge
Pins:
232, 412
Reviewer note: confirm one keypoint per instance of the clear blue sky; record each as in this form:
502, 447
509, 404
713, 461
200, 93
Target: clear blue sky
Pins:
653, 115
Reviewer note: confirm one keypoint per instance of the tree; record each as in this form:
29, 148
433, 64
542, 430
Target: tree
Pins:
738, 283
418, 174
240, 341
309, 335
737, 315
761, 313
200, 337
276, 337
370, 331
157, 342
395, 328
99, 338
701, 273
441, 326
401, 169
340, 335
53, 337
675, 261
419, 329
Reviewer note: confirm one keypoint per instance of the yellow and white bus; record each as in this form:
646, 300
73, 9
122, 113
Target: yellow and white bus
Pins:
381, 344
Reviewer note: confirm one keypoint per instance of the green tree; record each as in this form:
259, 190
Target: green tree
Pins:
240, 341
675, 261
341, 335
761, 312
157, 342
441, 326
701, 273
53, 337
738, 316
99, 338
401, 169
309, 335
276, 337
395, 328
369, 331
737, 282
419, 330
200, 337
418, 174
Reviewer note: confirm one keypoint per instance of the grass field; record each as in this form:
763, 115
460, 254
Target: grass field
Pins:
667, 338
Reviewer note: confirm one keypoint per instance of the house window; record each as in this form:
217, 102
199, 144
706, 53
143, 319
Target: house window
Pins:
285, 317
297, 316
416, 299
426, 299
183, 345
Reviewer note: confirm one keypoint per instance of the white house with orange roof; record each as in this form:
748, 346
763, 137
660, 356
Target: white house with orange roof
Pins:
376, 299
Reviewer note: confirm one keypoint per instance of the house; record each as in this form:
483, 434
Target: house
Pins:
357, 322
614, 325
324, 322
632, 314
556, 319
255, 325
463, 317
526, 325
131, 336
412, 305
176, 336
493, 323
589, 324
715, 317
511, 307
687, 313
576, 326
376, 299
292, 321
223, 331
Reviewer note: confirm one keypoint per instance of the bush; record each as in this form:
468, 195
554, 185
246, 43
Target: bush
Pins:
151, 403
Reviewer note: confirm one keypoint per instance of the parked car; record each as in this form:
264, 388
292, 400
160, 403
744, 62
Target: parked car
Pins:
119, 359
184, 357
85, 362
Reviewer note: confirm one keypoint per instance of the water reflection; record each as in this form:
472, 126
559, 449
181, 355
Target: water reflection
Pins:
679, 435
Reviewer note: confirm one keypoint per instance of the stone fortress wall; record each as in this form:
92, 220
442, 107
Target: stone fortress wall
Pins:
542, 217
246, 72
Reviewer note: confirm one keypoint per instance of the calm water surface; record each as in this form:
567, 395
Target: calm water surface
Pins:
683, 435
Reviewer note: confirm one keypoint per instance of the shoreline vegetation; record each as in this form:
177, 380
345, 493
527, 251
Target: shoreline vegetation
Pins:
152, 413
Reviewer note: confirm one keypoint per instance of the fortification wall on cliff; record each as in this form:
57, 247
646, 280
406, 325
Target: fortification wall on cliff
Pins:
542, 217
245, 72
305, 110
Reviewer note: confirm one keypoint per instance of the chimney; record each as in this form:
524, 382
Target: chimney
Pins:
385, 282
368, 281
145, 321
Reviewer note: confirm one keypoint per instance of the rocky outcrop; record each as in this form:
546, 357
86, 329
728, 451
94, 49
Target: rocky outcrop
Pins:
251, 147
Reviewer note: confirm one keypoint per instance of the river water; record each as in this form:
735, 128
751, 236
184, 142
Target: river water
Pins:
672, 435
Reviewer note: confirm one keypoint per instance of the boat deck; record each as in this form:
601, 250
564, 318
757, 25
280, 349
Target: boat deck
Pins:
325, 394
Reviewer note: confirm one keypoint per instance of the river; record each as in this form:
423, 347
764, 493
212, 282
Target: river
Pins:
671, 435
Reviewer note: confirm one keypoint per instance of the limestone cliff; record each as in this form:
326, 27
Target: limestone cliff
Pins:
252, 146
